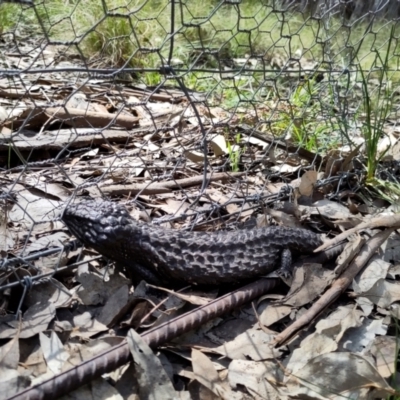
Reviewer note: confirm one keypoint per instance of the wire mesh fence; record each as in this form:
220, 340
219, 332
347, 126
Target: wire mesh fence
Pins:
202, 115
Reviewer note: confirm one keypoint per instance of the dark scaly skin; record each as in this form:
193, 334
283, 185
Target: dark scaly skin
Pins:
171, 256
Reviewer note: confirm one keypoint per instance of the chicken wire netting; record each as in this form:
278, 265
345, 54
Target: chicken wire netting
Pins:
199, 114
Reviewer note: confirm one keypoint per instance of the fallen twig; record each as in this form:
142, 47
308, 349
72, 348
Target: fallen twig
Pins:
383, 221
166, 187
264, 136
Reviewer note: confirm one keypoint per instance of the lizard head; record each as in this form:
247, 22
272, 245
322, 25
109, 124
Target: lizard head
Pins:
95, 222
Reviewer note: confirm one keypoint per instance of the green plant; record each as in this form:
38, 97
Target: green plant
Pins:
303, 112
8, 16
234, 153
152, 78
301, 117
377, 109
377, 106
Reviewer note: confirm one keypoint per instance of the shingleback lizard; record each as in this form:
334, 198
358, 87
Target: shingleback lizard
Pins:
171, 256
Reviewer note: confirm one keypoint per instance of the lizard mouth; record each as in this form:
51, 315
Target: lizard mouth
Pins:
73, 226
79, 227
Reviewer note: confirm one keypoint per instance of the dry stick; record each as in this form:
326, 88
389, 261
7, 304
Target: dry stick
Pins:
90, 119
339, 286
265, 137
384, 221
167, 187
